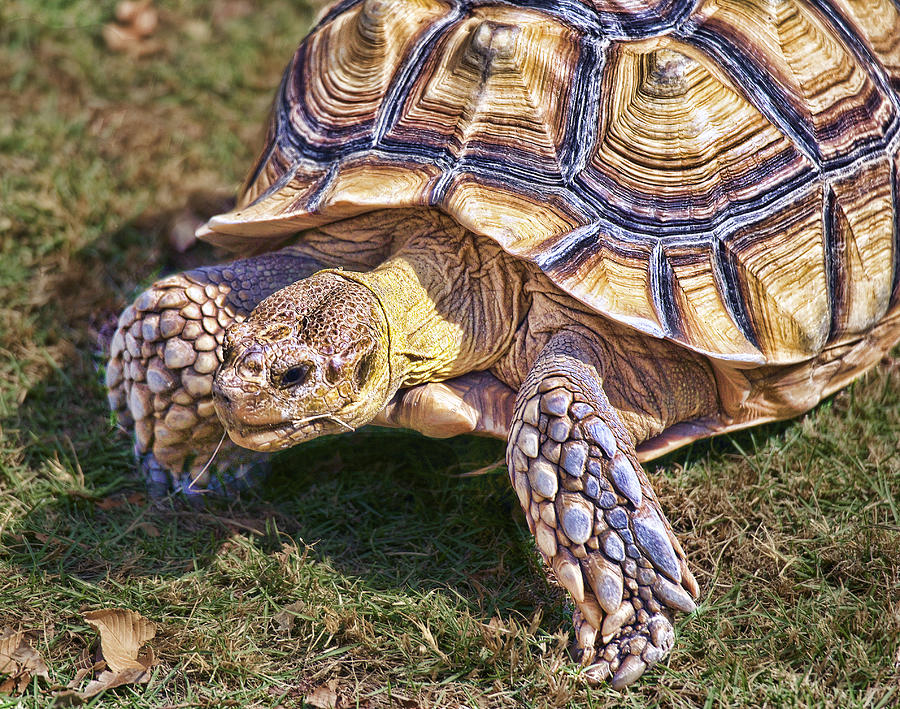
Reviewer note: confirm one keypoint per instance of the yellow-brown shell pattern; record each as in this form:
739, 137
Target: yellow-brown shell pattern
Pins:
722, 173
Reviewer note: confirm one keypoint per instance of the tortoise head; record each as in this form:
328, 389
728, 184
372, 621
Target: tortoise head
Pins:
311, 359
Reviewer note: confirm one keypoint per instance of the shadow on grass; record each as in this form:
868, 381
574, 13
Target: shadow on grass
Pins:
384, 505
388, 506
392, 508
387, 511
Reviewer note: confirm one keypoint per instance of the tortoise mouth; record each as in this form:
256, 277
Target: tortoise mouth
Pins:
267, 437
262, 437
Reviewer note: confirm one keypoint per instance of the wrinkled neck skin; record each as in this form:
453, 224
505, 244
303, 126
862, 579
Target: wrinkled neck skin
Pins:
452, 300
326, 354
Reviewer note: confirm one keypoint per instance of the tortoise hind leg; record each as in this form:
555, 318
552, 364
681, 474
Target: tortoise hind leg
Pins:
164, 353
594, 516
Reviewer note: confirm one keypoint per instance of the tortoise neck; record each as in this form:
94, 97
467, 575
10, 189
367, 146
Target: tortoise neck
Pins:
453, 301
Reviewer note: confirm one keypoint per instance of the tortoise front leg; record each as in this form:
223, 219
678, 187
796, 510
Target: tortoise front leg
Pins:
163, 356
476, 403
594, 515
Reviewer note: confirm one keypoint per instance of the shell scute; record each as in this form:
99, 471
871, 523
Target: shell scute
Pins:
792, 65
875, 25
781, 280
493, 88
519, 221
679, 150
698, 311
859, 221
610, 274
722, 173
348, 65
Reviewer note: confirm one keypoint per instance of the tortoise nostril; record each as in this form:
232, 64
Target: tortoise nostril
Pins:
219, 394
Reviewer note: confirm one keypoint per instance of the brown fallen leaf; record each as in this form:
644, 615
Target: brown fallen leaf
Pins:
122, 633
139, 16
19, 662
150, 529
109, 679
181, 232
80, 675
111, 503
119, 38
133, 38
323, 697
286, 616
127, 10
146, 21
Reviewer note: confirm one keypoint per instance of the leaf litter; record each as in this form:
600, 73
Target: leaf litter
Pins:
124, 656
136, 22
19, 662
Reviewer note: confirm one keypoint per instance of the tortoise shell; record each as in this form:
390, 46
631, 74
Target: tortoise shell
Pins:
721, 173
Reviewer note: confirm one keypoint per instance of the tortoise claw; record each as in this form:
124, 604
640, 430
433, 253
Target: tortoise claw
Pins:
244, 471
626, 657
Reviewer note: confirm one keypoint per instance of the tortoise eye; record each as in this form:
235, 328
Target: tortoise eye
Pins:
294, 376
363, 369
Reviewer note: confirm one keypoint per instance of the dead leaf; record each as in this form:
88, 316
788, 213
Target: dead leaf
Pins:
128, 10
111, 503
122, 633
145, 22
286, 616
19, 661
109, 680
138, 15
79, 677
130, 38
15, 684
106, 680
119, 38
323, 697
150, 529
182, 230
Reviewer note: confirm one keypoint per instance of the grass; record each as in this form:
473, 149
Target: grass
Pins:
406, 584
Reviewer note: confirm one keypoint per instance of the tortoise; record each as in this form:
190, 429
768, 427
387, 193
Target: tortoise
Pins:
599, 230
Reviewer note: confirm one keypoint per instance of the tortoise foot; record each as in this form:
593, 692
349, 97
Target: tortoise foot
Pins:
595, 516
633, 650
237, 470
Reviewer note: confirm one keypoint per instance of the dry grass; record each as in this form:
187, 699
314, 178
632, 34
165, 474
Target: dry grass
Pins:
407, 586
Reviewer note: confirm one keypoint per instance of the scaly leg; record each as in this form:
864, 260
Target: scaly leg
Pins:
163, 356
594, 515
